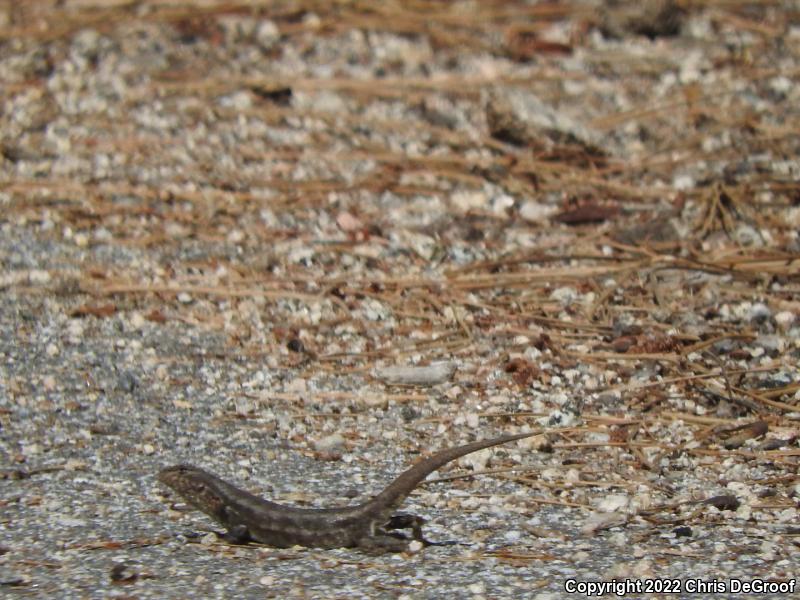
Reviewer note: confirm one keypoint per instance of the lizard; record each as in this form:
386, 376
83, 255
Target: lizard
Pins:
371, 526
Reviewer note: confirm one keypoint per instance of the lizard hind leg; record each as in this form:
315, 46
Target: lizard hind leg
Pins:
414, 523
406, 521
386, 536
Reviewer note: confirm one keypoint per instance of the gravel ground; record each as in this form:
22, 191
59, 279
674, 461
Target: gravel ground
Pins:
225, 225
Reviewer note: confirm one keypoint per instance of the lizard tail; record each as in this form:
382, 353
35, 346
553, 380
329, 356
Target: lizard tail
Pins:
391, 497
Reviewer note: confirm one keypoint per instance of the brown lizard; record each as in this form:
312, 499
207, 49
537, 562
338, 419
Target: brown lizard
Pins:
371, 525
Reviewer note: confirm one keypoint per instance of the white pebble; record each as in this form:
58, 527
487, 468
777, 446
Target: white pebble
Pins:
38, 277
413, 375
330, 443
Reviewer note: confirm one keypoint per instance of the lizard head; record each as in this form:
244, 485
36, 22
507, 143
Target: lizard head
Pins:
194, 486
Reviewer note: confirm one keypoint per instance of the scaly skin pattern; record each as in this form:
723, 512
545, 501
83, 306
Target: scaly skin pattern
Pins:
371, 525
